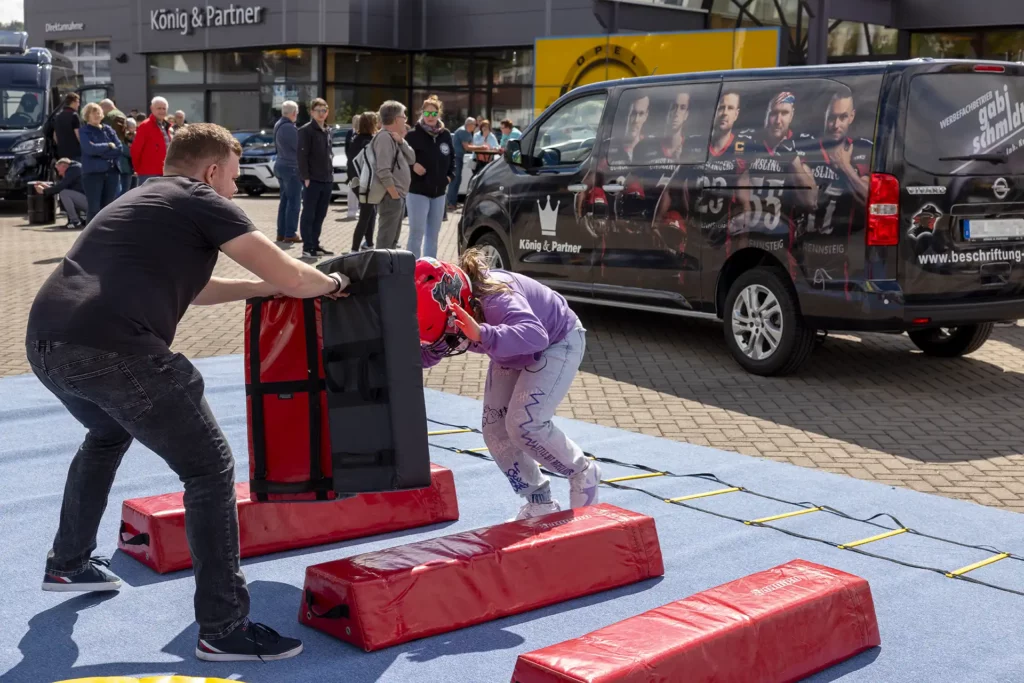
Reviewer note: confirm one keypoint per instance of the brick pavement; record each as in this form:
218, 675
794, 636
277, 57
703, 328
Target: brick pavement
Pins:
866, 406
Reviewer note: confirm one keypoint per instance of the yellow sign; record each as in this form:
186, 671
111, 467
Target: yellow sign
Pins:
562, 64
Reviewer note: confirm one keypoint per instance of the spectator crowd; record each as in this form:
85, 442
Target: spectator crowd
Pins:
398, 166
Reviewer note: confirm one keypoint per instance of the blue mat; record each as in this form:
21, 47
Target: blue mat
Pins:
933, 628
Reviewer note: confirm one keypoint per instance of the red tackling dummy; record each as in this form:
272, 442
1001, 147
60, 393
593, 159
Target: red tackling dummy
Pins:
776, 626
392, 596
153, 529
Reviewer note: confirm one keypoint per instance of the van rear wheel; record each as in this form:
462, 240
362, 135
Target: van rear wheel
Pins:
763, 326
950, 342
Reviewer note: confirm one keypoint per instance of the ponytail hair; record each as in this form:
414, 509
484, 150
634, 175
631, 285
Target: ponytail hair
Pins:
474, 264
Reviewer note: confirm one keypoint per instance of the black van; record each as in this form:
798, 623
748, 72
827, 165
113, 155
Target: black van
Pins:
876, 196
32, 83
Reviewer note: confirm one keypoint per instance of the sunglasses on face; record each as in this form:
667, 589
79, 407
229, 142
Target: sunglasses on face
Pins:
430, 114
320, 110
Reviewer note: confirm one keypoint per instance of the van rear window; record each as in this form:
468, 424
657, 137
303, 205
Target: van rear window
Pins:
964, 115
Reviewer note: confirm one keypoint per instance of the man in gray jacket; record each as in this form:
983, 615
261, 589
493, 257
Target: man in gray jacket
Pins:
394, 173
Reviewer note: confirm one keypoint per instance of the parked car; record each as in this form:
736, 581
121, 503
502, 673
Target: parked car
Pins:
256, 167
783, 202
259, 154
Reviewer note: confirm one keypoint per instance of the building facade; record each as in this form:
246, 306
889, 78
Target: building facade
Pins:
236, 61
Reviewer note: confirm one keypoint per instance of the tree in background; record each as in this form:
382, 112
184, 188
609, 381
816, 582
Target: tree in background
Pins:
12, 25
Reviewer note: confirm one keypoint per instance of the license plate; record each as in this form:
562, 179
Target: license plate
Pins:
987, 230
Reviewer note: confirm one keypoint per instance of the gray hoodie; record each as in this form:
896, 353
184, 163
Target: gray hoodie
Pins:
386, 149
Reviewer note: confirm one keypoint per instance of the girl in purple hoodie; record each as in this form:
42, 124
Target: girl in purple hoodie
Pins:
535, 343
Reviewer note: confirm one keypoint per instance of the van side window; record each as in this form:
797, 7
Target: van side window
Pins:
664, 125
569, 135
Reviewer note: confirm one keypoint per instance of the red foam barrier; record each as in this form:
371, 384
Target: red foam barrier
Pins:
392, 596
776, 626
153, 528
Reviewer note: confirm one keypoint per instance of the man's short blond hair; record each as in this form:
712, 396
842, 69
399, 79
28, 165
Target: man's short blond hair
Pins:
200, 144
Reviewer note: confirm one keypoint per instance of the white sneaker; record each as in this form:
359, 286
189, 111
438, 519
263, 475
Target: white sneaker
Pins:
583, 486
538, 510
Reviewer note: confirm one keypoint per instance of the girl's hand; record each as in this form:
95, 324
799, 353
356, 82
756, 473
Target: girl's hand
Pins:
418, 168
466, 323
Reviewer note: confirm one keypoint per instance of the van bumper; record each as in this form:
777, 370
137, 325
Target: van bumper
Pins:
880, 306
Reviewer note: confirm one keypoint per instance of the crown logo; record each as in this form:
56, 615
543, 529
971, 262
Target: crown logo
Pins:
548, 217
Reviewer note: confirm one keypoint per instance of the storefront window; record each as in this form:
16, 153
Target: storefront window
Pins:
236, 110
291, 64
439, 71
946, 45
234, 67
513, 67
189, 102
1005, 45
353, 66
90, 57
273, 96
849, 38
346, 101
174, 69
512, 103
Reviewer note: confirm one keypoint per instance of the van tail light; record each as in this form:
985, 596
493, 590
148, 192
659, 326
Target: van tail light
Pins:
990, 68
883, 211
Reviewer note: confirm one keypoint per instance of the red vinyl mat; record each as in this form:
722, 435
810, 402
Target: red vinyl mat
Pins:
153, 528
392, 596
776, 626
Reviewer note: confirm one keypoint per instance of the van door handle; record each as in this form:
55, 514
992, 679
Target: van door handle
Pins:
580, 187
612, 188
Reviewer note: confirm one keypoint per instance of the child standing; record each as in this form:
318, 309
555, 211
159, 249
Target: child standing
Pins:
535, 343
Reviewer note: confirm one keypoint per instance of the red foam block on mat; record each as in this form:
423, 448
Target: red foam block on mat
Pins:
392, 596
153, 528
776, 626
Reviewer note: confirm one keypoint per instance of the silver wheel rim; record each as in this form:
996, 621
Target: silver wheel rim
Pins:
757, 322
492, 256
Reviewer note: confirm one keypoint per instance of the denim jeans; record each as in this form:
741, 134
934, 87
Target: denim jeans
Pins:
126, 183
453, 186
425, 216
316, 199
518, 407
100, 189
158, 400
291, 202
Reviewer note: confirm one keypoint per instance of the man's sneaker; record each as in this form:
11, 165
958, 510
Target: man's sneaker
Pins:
538, 510
320, 251
73, 226
249, 641
583, 486
95, 578
308, 254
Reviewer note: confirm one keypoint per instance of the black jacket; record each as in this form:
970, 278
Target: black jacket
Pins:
316, 156
436, 154
352, 149
72, 180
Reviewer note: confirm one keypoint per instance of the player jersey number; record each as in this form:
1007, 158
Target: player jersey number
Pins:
706, 204
826, 223
767, 201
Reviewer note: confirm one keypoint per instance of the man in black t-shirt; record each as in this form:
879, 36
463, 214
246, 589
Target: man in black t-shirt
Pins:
66, 126
99, 336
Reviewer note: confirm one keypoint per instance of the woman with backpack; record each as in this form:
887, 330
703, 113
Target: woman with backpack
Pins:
367, 127
433, 170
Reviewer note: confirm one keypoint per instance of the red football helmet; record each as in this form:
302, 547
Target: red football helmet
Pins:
436, 283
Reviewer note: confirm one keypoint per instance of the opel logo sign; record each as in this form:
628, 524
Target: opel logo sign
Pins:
1001, 188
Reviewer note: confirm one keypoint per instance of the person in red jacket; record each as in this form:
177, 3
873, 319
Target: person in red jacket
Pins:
151, 142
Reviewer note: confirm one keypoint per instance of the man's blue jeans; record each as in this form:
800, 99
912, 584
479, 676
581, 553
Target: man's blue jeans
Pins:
291, 202
157, 399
